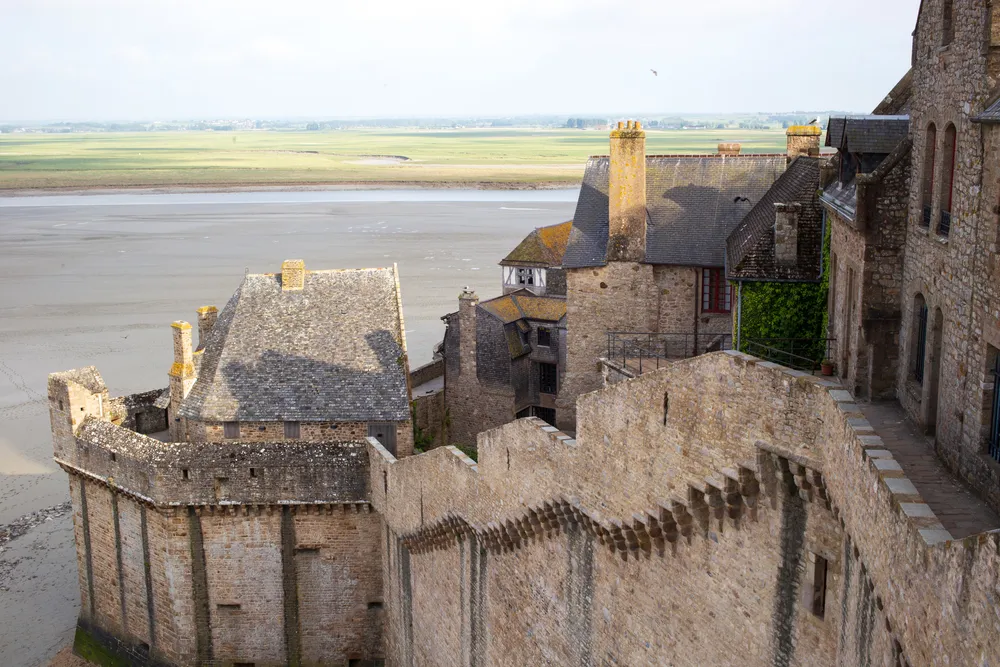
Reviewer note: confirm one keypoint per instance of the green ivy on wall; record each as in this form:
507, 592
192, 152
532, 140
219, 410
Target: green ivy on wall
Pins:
786, 310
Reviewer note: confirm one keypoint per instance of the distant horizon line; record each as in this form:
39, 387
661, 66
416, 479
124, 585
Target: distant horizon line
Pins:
430, 117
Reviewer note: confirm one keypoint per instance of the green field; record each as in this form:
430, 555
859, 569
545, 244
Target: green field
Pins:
483, 158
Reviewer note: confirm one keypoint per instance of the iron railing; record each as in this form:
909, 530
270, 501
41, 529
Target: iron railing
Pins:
804, 354
944, 226
646, 351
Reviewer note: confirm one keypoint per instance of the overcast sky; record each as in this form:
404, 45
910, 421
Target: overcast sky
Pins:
159, 60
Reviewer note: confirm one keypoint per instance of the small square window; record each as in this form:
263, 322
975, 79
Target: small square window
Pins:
544, 337
292, 431
231, 429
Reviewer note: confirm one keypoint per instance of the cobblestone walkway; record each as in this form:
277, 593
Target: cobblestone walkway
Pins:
961, 511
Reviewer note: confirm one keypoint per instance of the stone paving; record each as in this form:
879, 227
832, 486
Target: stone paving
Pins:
958, 508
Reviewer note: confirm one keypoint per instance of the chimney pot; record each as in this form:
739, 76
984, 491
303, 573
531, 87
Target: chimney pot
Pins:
293, 275
730, 149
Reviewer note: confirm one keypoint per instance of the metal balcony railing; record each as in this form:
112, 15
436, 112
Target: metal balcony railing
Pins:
804, 354
648, 351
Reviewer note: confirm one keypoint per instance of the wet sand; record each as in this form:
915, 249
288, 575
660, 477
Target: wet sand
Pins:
97, 280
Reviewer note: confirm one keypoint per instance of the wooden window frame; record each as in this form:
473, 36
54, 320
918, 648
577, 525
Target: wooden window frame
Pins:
716, 293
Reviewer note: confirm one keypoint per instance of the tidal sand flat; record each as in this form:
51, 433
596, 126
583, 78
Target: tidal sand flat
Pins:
97, 279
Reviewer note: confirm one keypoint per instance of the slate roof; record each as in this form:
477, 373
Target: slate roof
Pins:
329, 352
867, 134
750, 248
842, 197
990, 115
543, 247
690, 207
522, 304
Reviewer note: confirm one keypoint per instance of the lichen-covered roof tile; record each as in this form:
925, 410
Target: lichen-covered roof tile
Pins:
544, 246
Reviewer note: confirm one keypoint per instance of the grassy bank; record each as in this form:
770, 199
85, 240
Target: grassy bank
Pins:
491, 158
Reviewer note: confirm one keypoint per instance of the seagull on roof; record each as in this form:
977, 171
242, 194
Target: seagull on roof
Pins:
655, 73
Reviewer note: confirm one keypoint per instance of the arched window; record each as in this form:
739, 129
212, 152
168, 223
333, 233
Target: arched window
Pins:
927, 196
947, 180
947, 23
918, 349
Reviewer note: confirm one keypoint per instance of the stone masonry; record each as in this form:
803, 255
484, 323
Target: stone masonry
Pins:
953, 272
720, 511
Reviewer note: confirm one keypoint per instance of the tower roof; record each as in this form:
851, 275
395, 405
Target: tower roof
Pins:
330, 351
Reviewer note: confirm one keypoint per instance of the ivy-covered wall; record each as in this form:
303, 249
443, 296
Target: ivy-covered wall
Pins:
786, 310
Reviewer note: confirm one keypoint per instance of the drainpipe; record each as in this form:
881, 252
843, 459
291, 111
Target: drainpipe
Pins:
739, 313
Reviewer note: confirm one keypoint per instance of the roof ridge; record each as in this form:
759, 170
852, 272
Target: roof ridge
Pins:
358, 270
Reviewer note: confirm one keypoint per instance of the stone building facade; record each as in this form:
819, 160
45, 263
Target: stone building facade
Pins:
648, 246
505, 358
243, 533
866, 207
925, 256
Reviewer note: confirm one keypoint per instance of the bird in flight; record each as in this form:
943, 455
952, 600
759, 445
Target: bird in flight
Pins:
813, 121
655, 73
739, 199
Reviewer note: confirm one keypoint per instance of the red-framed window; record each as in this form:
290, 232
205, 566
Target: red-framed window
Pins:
716, 295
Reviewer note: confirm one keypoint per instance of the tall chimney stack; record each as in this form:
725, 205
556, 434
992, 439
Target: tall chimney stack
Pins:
207, 315
803, 140
182, 377
627, 194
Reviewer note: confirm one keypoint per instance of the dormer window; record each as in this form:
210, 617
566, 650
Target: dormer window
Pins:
526, 277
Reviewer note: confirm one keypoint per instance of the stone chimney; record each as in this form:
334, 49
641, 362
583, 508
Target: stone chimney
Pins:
786, 233
467, 302
207, 315
803, 140
293, 275
627, 194
730, 149
182, 377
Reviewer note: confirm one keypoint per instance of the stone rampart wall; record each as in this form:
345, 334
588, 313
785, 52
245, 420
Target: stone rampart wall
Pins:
270, 585
758, 474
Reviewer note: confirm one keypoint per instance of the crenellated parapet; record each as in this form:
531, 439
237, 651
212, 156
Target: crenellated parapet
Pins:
722, 503
703, 458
